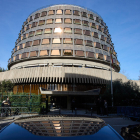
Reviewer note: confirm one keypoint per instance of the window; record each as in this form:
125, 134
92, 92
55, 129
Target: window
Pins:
31, 33
31, 18
102, 37
36, 42
84, 14
90, 54
77, 21
17, 47
86, 32
41, 22
98, 27
95, 34
34, 24
28, 26
67, 52
79, 53
78, 42
45, 41
49, 21
99, 56
43, 52
44, 13
57, 30
23, 45
108, 58
92, 25
96, 19
48, 31
68, 21
97, 45
78, 31
55, 52
90, 16
51, 12
56, 41
17, 57
58, 20
67, 40
24, 36
68, 30
28, 44
59, 12
85, 23
33, 54
67, 12
25, 55
20, 46
39, 32
105, 47
76, 13
88, 43
37, 15
114, 61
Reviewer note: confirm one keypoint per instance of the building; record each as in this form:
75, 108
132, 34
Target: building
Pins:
63, 51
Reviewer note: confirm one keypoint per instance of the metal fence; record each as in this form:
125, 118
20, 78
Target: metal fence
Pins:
23, 103
129, 112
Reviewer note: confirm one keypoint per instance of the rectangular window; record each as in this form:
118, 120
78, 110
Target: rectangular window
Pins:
78, 31
37, 15
108, 58
57, 30
68, 21
36, 42
49, 21
79, 53
31, 18
77, 21
78, 42
99, 56
34, 24
105, 47
33, 54
24, 55
56, 41
92, 25
67, 12
67, 40
102, 37
28, 44
41, 22
90, 16
114, 61
17, 57
85, 23
84, 14
51, 12
39, 32
48, 31
67, 52
97, 45
43, 52
88, 43
20, 46
59, 12
31, 33
90, 54
76, 13
95, 34
86, 32
55, 52
68, 30
96, 19
28, 27
45, 41
24, 36
58, 20
44, 13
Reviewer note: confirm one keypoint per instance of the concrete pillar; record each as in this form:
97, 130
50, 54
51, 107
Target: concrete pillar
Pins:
68, 102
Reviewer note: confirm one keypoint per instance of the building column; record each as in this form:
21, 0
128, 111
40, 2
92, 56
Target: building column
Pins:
68, 102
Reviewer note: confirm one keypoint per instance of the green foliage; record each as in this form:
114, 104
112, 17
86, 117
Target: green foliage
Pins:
2, 69
121, 92
6, 86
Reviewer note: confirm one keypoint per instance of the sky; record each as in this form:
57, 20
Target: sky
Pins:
121, 16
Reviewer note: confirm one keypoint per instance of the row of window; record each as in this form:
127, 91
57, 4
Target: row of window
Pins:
66, 21
66, 12
65, 53
47, 41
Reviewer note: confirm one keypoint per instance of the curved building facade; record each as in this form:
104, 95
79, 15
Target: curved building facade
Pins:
63, 50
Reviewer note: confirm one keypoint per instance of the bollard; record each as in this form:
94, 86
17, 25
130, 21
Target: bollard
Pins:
59, 111
91, 111
75, 111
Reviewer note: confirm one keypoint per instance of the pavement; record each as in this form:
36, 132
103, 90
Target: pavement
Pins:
113, 120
